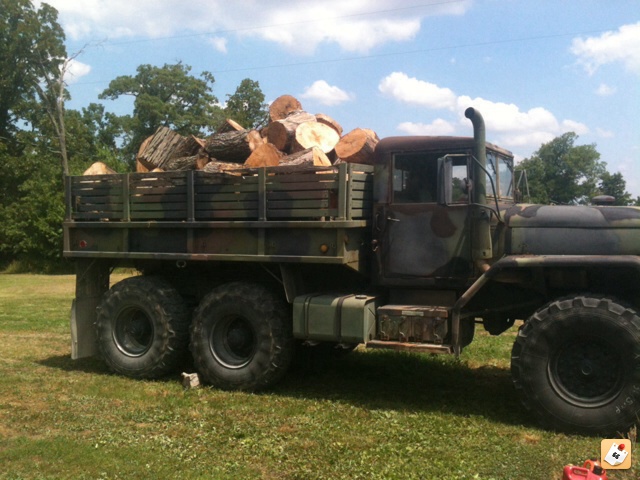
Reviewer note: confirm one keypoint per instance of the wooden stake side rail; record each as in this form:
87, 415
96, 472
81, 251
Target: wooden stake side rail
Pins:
268, 214
340, 193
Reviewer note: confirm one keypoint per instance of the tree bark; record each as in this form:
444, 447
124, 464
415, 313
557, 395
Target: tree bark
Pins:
357, 146
229, 126
166, 145
234, 147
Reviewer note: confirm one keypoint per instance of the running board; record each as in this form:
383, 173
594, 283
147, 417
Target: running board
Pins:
410, 346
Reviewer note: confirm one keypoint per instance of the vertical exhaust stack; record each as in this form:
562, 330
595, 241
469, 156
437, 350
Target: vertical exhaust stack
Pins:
481, 237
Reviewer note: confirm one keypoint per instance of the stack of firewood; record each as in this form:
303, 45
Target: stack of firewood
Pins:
292, 137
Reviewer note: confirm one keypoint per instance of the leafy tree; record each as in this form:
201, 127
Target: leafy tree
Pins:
562, 172
164, 96
31, 53
246, 106
616, 186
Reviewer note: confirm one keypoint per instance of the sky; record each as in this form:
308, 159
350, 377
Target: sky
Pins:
534, 69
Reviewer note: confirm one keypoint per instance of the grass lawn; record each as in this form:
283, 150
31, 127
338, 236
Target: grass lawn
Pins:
373, 414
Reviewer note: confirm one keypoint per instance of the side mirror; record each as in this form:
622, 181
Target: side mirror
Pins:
445, 176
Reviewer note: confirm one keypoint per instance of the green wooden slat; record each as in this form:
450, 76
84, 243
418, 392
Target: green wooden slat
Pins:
227, 214
158, 206
170, 198
99, 199
97, 216
227, 205
302, 213
159, 215
205, 189
103, 207
223, 197
299, 195
296, 204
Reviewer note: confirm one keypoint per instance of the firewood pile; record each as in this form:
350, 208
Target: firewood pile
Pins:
293, 137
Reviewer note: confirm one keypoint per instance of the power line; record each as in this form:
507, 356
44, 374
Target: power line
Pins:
391, 54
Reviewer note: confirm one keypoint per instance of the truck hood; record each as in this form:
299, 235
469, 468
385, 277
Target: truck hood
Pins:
572, 230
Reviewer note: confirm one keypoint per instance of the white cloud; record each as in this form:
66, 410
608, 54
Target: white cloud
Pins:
605, 90
325, 94
436, 128
512, 126
418, 92
621, 46
298, 25
75, 70
601, 132
219, 43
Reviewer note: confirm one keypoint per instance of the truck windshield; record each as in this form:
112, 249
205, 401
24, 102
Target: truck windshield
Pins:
501, 170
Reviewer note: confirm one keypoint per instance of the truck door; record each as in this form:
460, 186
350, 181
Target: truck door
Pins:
422, 241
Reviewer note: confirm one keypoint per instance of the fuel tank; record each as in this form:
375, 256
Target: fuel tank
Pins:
572, 230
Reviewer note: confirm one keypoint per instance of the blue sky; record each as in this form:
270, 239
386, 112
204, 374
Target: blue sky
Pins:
535, 69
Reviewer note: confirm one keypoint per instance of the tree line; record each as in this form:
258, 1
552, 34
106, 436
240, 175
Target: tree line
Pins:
41, 140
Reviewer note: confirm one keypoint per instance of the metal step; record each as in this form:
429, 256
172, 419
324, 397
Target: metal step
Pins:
410, 346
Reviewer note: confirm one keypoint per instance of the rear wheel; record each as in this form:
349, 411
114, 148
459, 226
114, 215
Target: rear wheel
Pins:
576, 363
241, 337
142, 327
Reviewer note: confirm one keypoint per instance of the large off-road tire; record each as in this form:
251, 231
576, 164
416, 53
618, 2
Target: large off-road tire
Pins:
576, 364
241, 337
143, 327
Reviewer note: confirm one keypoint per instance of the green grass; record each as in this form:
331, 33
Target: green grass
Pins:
372, 415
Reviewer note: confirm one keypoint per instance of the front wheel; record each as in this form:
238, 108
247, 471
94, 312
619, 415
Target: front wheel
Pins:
241, 337
576, 364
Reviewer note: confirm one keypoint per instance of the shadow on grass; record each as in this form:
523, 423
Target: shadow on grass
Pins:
410, 382
382, 380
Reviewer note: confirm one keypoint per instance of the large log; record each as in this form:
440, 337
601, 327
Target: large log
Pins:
327, 120
99, 168
283, 106
357, 146
309, 157
217, 167
314, 134
266, 155
166, 145
282, 133
192, 162
140, 168
229, 126
233, 147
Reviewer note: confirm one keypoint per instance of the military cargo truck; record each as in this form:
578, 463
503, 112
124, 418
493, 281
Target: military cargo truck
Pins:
410, 253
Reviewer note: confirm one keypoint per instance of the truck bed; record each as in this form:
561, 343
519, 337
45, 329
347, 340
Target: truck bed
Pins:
273, 214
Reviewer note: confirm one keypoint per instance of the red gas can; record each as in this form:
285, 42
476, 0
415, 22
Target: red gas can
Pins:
591, 470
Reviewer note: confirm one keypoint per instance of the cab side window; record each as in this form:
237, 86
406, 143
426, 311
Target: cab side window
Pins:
415, 179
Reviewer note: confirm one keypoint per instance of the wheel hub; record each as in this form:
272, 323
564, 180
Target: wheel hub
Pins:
586, 371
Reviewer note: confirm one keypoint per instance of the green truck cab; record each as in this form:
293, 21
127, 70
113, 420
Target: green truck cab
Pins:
411, 253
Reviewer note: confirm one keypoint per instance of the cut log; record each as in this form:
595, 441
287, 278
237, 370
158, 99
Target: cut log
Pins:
327, 120
182, 163
314, 134
140, 167
309, 157
166, 145
234, 147
99, 168
282, 132
357, 146
230, 126
266, 155
283, 106
217, 167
